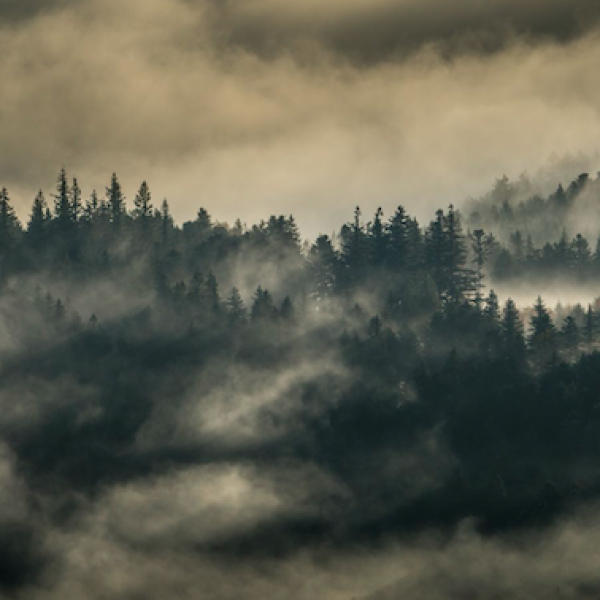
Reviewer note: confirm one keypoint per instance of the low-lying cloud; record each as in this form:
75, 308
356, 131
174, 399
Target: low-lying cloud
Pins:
266, 107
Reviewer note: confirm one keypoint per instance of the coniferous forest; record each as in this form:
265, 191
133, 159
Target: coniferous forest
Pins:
359, 389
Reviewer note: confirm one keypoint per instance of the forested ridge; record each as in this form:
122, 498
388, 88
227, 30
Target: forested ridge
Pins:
378, 362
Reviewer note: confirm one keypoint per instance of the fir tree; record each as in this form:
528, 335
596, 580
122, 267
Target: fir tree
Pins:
37, 226
143, 203
115, 200
62, 202
236, 311
9, 224
512, 332
570, 337
542, 338
76, 207
398, 251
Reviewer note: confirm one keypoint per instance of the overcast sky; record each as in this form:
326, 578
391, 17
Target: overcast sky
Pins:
253, 107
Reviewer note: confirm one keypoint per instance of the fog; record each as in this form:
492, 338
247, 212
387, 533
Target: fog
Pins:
258, 107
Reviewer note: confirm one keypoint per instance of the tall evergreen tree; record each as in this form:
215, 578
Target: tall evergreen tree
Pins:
435, 252
92, 206
570, 337
542, 338
492, 308
143, 203
262, 307
76, 206
62, 202
236, 311
378, 239
323, 263
166, 221
460, 279
398, 252
354, 250
115, 200
211, 293
512, 332
480, 254
9, 224
590, 327
38, 224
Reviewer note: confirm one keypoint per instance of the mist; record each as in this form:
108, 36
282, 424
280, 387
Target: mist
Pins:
258, 108
299, 301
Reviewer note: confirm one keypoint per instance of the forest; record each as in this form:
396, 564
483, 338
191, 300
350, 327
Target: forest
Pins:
371, 384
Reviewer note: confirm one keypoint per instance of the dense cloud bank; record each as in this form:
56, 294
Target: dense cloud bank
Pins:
251, 108
204, 411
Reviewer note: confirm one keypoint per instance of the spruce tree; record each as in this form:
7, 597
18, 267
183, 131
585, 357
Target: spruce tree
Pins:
570, 337
378, 239
236, 311
354, 251
435, 252
323, 264
286, 310
92, 207
262, 306
542, 338
9, 224
76, 206
398, 252
62, 202
143, 203
211, 293
115, 200
480, 254
512, 332
589, 328
492, 308
37, 225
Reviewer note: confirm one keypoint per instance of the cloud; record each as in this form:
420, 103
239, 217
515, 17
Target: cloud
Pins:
264, 106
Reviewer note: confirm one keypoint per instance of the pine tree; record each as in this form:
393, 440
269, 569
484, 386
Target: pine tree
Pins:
518, 248
323, 263
37, 226
415, 242
262, 306
166, 221
203, 220
143, 203
92, 207
589, 329
581, 254
570, 337
354, 251
480, 254
460, 279
286, 310
9, 224
236, 311
211, 293
115, 200
398, 253
375, 327
435, 252
378, 239
76, 207
542, 338
62, 202
512, 332
562, 252
492, 308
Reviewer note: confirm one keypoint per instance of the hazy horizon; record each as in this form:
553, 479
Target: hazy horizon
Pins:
261, 107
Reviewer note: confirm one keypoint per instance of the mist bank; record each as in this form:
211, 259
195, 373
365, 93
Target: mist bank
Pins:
190, 409
257, 107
